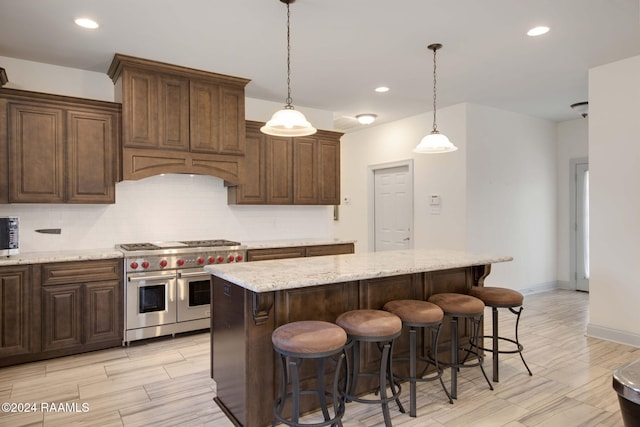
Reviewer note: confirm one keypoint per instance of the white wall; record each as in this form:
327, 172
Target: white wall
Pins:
511, 195
614, 160
572, 143
498, 190
157, 208
433, 174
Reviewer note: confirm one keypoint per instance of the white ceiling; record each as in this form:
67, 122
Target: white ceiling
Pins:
343, 49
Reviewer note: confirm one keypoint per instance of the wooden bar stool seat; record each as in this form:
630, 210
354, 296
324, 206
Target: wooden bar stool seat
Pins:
417, 315
298, 341
462, 306
496, 297
382, 328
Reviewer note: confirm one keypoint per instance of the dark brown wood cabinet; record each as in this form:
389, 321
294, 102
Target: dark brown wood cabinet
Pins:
58, 309
288, 171
59, 149
16, 315
61, 317
82, 307
178, 120
299, 251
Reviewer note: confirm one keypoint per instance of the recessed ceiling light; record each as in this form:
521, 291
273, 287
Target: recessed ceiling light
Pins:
382, 89
87, 23
538, 31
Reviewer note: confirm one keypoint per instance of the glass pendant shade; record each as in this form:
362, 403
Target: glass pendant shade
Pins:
288, 122
435, 143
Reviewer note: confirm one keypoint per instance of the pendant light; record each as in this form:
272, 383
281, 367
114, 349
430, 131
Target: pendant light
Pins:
288, 121
435, 142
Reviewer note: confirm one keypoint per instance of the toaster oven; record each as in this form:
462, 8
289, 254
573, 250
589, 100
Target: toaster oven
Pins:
9, 236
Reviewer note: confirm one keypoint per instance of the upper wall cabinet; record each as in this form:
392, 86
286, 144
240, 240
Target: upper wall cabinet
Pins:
178, 120
57, 149
286, 171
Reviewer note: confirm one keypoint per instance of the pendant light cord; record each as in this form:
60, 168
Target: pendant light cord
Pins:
435, 128
289, 101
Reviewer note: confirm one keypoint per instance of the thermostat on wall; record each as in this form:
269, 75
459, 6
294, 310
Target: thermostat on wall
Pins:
434, 204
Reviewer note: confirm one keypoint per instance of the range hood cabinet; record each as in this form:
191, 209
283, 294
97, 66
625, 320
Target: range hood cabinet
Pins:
178, 120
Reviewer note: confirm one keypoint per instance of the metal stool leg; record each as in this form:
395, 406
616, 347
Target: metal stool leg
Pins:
476, 333
434, 347
520, 347
454, 357
412, 372
495, 352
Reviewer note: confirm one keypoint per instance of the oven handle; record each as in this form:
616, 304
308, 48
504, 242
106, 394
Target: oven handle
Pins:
138, 279
194, 274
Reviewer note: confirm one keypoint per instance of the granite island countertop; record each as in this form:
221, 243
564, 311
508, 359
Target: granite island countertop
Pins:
274, 275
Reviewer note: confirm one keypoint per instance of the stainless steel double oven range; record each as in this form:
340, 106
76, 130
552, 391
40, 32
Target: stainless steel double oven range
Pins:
167, 290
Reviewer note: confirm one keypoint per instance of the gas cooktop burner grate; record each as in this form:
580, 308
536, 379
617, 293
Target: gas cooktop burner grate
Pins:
182, 244
210, 243
138, 246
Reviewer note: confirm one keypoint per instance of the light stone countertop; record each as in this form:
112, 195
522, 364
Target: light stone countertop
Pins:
286, 243
38, 257
274, 275
60, 256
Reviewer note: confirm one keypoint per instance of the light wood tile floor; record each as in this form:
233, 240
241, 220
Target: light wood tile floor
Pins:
165, 382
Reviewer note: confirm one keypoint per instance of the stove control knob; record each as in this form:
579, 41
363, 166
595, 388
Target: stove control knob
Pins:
239, 258
163, 263
145, 264
200, 260
211, 260
231, 258
220, 258
134, 265
181, 262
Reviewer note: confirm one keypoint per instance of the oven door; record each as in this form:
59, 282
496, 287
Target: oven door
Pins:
151, 299
194, 294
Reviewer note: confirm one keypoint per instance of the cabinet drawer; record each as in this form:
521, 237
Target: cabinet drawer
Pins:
81, 272
338, 249
275, 253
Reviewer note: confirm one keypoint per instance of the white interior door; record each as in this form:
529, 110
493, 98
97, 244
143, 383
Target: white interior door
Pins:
582, 227
393, 207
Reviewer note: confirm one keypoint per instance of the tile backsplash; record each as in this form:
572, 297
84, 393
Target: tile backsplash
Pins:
168, 207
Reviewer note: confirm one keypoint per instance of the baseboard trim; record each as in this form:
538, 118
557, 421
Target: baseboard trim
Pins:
540, 287
614, 335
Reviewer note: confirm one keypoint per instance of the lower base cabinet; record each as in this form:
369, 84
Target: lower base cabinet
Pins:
59, 309
15, 311
61, 317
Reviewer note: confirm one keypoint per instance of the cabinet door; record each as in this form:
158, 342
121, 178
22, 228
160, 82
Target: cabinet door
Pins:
91, 150
328, 162
232, 120
252, 188
173, 113
139, 109
61, 317
204, 112
15, 314
36, 154
305, 171
279, 170
103, 312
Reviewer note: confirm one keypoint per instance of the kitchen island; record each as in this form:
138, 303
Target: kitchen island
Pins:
250, 300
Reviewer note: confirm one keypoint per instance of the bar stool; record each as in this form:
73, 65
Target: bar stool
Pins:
416, 315
382, 328
298, 341
461, 306
495, 298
